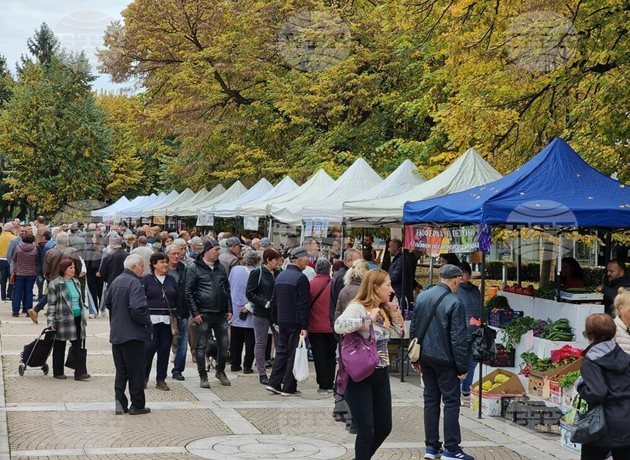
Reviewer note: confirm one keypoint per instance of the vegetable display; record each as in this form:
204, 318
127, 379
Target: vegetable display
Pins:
547, 292
515, 329
559, 331
568, 379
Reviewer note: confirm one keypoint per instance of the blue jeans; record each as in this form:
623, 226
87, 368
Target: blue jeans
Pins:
23, 293
182, 346
472, 366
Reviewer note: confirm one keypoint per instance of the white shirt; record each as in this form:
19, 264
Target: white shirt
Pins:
156, 319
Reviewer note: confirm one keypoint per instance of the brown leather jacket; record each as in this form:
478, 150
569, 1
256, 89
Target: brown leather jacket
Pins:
54, 256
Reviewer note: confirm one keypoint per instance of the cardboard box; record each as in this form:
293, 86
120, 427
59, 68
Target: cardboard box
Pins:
491, 402
555, 393
565, 439
536, 385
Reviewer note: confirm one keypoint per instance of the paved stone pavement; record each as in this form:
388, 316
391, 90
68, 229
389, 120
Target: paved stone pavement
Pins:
43, 418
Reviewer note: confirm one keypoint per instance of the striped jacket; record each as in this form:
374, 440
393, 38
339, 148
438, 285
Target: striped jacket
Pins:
59, 313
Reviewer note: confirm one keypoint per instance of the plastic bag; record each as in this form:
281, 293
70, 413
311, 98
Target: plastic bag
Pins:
483, 346
300, 364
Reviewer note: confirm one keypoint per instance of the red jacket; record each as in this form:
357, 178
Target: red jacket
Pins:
320, 310
25, 258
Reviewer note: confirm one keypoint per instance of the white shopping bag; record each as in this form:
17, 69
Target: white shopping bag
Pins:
300, 365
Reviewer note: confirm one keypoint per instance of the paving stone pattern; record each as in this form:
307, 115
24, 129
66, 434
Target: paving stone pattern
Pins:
70, 420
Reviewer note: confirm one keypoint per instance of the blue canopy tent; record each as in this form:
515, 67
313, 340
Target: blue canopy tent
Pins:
555, 188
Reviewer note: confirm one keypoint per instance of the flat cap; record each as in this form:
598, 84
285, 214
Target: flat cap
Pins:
449, 271
196, 241
265, 242
298, 252
232, 241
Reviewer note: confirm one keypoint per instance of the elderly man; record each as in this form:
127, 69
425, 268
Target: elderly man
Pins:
177, 270
112, 264
145, 252
231, 255
182, 247
439, 323
195, 246
209, 299
616, 277
130, 328
255, 244
290, 307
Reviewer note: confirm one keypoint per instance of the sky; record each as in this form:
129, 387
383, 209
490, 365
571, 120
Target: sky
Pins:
79, 26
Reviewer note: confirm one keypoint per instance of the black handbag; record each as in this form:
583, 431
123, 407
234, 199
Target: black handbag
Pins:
590, 426
70, 359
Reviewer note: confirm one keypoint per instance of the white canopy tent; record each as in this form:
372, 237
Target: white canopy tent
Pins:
229, 208
357, 179
135, 212
160, 209
205, 218
108, 211
189, 207
284, 207
136, 201
469, 170
259, 207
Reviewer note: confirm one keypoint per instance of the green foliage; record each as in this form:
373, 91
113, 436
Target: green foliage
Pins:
55, 137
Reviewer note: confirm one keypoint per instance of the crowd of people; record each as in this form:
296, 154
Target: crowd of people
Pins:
243, 302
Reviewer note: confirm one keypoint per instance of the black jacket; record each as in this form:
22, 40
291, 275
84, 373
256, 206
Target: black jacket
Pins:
128, 312
260, 290
606, 380
207, 290
610, 291
290, 302
445, 341
113, 265
161, 298
396, 276
335, 288
182, 306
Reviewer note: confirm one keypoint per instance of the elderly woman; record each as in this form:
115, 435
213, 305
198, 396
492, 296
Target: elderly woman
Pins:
242, 324
67, 315
25, 260
160, 289
622, 321
320, 333
606, 380
259, 290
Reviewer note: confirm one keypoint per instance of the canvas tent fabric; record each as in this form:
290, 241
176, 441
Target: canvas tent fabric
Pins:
235, 190
191, 206
136, 201
229, 208
317, 186
467, 171
109, 210
555, 188
358, 178
135, 211
259, 207
160, 209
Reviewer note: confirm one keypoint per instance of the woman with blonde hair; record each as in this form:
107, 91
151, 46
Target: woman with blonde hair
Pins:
370, 399
622, 321
352, 282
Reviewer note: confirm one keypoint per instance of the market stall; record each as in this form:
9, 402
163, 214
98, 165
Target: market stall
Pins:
555, 191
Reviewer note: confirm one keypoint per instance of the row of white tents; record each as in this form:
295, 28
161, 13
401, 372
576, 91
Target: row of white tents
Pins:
360, 197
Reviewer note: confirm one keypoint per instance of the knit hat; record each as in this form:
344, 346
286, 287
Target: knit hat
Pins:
211, 243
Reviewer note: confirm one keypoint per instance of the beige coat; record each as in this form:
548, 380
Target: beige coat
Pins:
623, 336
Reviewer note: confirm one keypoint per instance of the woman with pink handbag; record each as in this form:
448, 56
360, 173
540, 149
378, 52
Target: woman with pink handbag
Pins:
366, 324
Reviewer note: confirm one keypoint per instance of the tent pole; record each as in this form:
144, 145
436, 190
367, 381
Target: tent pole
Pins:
402, 309
270, 227
431, 264
483, 319
519, 257
343, 242
558, 269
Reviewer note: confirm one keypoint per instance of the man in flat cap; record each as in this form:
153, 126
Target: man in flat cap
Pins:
231, 255
439, 324
290, 307
210, 302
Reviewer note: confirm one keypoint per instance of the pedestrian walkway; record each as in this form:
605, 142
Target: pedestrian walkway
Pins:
44, 418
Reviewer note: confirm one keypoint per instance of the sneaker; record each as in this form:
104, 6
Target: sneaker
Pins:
273, 390
465, 400
33, 315
161, 385
295, 393
456, 455
432, 453
221, 377
203, 382
264, 380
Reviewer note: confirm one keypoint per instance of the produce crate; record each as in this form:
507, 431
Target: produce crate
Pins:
537, 378
565, 438
501, 318
503, 358
492, 400
535, 415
